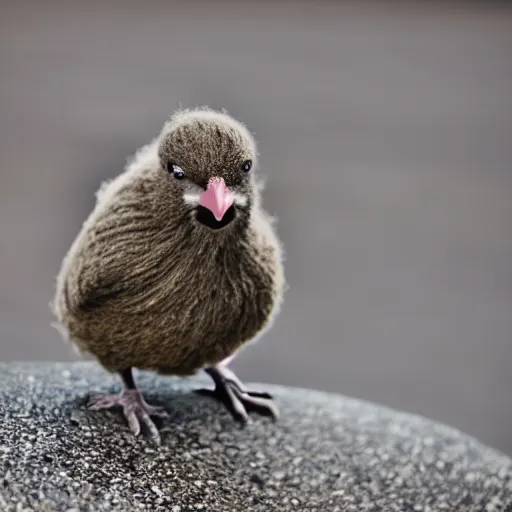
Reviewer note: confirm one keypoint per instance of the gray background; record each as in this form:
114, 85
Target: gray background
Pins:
385, 133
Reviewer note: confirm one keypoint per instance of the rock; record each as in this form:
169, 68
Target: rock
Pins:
326, 453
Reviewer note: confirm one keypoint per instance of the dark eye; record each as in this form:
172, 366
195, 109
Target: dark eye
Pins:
246, 166
176, 171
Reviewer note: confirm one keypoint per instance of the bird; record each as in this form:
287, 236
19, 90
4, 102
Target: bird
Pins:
177, 268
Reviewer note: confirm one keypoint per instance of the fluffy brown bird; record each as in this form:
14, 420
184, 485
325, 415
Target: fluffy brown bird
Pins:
177, 267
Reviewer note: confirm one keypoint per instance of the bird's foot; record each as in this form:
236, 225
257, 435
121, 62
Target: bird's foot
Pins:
238, 400
135, 409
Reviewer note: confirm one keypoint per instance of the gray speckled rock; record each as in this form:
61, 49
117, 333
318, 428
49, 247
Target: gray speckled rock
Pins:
326, 453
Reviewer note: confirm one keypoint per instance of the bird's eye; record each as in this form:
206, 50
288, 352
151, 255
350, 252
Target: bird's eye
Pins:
246, 166
176, 171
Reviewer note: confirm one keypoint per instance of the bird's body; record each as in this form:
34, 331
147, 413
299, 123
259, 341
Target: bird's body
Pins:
154, 280
131, 298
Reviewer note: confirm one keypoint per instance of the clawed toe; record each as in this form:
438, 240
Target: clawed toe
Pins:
97, 402
259, 394
157, 411
237, 399
257, 402
136, 411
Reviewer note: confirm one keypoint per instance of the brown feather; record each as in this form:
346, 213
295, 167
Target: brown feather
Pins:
146, 285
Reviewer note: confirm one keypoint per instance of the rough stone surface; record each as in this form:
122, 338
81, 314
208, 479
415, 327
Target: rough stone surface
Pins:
326, 453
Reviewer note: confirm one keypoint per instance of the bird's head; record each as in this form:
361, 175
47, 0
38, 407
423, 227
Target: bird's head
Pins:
209, 159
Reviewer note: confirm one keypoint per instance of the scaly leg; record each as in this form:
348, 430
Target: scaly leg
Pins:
239, 401
135, 408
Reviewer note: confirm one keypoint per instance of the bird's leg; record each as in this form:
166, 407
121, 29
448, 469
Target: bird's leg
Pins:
135, 408
239, 401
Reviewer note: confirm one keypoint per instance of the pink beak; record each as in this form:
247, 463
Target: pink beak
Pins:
217, 198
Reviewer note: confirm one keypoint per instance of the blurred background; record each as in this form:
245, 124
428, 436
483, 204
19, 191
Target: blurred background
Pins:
385, 131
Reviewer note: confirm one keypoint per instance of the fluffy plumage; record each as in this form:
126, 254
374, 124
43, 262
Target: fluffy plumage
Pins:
146, 284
